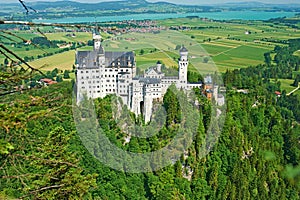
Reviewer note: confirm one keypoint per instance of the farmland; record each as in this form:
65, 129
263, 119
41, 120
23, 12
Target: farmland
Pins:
228, 44
62, 61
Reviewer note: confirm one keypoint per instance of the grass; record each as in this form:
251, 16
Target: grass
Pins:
79, 36
286, 84
226, 53
31, 50
150, 59
62, 61
297, 53
229, 48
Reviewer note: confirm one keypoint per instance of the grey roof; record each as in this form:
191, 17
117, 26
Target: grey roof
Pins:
87, 58
208, 80
170, 77
149, 80
101, 50
119, 59
183, 49
153, 68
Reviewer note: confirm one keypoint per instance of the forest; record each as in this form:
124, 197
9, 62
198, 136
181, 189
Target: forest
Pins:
257, 155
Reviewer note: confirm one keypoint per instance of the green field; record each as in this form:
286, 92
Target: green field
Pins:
79, 37
62, 61
16, 44
225, 43
297, 53
286, 84
225, 54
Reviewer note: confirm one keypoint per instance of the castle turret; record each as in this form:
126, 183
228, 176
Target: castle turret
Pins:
183, 65
97, 39
158, 66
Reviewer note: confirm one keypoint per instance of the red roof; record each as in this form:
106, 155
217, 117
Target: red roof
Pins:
48, 81
277, 93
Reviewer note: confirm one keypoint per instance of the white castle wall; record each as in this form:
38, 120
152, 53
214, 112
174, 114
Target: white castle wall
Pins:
101, 80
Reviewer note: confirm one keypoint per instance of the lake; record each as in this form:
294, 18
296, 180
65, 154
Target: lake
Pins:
226, 15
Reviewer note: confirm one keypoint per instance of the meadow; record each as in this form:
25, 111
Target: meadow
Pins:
227, 44
61, 61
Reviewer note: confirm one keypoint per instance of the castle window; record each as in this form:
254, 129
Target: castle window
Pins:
82, 72
97, 71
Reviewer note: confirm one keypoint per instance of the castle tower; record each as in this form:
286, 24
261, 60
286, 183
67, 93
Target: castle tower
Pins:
158, 66
148, 103
98, 47
183, 65
97, 39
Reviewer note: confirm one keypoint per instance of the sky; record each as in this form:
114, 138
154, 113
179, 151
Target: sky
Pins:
192, 2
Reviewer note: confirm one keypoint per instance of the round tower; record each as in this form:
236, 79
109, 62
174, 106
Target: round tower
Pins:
183, 54
183, 65
158, 66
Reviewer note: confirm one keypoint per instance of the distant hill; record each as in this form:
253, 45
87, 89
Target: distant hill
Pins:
57, 9
257, 4
111, 5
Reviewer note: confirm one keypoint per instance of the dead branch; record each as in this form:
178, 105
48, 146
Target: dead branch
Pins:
24, 40
20, 59
26, 7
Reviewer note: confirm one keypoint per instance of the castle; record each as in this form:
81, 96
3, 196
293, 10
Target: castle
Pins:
101, 73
